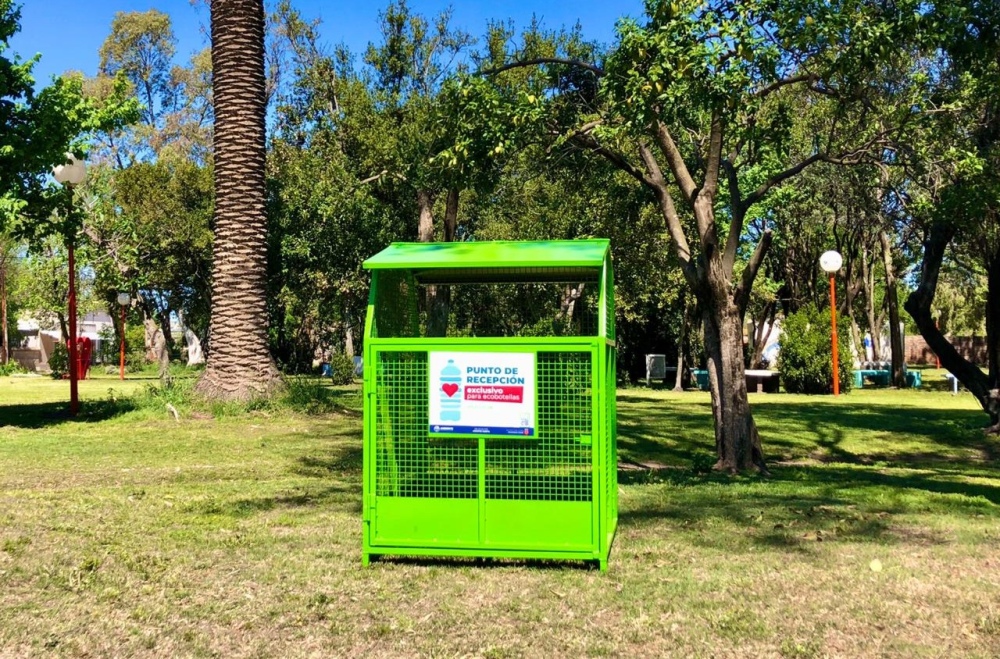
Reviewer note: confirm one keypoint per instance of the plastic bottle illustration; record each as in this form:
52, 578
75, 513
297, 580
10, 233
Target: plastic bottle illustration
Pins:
451, 392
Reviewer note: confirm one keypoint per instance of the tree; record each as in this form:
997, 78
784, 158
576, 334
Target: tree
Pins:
239, 365
149, 225
696, 106
37, 129
956, 191
176, 100
7, 253
41, 285
409, 69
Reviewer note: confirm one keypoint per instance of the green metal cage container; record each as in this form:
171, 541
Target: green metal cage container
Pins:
489, 411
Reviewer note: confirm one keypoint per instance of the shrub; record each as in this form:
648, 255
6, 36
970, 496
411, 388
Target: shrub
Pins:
11, 368
309, 395
135, 348
59, 361
805, 362
108, 352
341, 369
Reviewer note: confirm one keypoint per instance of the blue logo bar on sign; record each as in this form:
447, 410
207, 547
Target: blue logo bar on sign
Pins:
482, 430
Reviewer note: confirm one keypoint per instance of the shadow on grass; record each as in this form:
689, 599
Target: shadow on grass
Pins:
344, 496
44, 415
649, 429
803, 504
339, 473
344, 462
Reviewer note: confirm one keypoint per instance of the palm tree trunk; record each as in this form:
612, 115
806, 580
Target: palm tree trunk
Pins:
239, 365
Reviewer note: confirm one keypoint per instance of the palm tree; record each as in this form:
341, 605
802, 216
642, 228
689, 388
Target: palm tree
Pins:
239, 365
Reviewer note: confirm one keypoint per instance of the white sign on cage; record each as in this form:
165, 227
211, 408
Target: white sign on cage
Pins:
482, 393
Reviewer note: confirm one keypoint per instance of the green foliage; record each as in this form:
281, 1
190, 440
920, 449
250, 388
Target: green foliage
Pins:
176, 107
341, 369
59, 360
38, 128
805, 362
135, 348
11, 368
310, 396
109, 347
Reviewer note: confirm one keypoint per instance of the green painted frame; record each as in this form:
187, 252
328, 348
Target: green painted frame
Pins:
480, 526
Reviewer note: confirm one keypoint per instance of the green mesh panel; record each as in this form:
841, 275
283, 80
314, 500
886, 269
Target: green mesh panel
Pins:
609, 302
407, 463
611, 430
557, 465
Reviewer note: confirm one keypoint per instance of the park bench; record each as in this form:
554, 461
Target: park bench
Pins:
762, 381
758, 380
883, 377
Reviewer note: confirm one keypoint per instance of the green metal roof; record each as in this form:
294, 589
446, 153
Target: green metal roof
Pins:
555, 254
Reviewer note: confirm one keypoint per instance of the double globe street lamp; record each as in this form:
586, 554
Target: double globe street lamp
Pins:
71, 174
831, 262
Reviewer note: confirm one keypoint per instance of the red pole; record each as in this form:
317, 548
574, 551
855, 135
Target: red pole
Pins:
833, 319
74, 396
122, 359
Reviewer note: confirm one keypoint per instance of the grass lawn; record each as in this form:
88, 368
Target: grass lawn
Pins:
126, 533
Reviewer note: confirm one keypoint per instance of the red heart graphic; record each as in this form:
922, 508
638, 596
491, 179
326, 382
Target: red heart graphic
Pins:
450, 389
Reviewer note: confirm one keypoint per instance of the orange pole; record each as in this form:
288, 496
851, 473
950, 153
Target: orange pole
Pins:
122, 359
833, 319
74, 396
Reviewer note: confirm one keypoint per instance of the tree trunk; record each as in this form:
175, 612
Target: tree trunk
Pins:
762, 330
451, 215
874, 326
850, 295
737, 441
892, 304
3, 309
195, 355
568, 307
345, 311
438, 297
425, 223
149, 330
163, 318
685, 317
63, 328
918, 305
239, 366
349, 340
993, 321
159, 348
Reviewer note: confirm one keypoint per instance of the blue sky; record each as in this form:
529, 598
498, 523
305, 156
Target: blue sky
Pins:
68, 33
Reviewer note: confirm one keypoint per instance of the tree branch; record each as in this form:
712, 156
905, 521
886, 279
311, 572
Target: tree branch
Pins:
784, 82
781, 177
670, 217
742, 294
587, 141
918, 305
739, 214
676, 162
714, 162
593, 68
